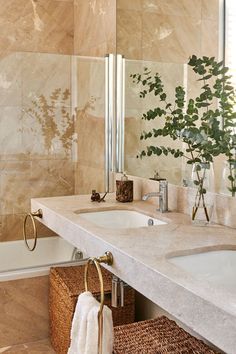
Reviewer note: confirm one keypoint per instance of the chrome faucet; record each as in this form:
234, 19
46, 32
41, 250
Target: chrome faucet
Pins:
162, 194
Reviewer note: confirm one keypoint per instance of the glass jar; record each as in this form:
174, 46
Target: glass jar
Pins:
227, 186
201, 197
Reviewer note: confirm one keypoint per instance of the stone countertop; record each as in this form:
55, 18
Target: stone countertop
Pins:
141, 259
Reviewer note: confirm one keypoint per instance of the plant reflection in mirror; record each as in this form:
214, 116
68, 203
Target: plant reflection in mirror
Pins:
195, 122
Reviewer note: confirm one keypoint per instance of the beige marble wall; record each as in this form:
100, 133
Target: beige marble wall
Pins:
167, 30
36, 134
36, 122
90, 104
95, 27
24, 311
94, 36
36, 26
39, 123
39, 347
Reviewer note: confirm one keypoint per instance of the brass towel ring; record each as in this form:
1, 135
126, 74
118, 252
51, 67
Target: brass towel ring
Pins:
108, 259
39, 214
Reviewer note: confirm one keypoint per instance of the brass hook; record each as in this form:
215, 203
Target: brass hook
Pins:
39, 214
107, 258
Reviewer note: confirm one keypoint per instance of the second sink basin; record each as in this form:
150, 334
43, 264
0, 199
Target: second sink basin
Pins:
120, 219
216, 267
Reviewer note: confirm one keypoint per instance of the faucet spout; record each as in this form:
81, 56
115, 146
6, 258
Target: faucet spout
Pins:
162, 195
150, 195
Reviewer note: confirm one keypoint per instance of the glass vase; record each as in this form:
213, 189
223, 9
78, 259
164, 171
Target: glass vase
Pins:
228, 179
201, 197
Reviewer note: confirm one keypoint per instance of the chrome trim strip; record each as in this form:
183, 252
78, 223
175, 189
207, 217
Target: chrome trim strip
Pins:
120, 112
109, 118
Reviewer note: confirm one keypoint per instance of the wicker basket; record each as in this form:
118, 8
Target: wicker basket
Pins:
158, 336
65, 284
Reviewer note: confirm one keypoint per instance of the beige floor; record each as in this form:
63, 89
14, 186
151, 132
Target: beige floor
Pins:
40, 347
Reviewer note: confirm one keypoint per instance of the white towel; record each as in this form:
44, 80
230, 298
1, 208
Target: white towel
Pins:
79, 323
92, 331
84, 330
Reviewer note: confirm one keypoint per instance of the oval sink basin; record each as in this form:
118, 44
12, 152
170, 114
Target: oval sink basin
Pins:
216, 267
120, 219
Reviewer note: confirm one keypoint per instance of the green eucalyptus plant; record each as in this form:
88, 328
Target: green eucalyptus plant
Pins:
205, 124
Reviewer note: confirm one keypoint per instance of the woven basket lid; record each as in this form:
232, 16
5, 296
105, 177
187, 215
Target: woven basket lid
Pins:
72, 278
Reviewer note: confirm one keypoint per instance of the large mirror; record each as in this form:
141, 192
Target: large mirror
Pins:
161, 35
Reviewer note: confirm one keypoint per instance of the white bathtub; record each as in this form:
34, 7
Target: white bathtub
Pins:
16, 262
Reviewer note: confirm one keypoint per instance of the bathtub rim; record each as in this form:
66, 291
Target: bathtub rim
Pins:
31, 271
37, 271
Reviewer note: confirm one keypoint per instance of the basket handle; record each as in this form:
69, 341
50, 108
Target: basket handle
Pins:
39, 214
107, 259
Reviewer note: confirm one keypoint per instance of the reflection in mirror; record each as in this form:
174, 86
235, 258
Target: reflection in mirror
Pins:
134, 125
164, 35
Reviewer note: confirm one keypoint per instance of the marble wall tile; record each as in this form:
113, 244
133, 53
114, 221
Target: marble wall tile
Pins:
91, 141
171, 39
95, 27
52, 178
43, 74
171, 74
11, 228
36, 26
22, 180
189, 8
47, 130
40, 113
12, 174
129, 33
10, 130
133, 129
169, 30
13, 167
47, 119
210, 9
133, 103
210, 38
129, 5
225, 210
36, 120
34, 179
89, 125
219, 165
24, 311
89, 86
89, 178
10, 79
39, 347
